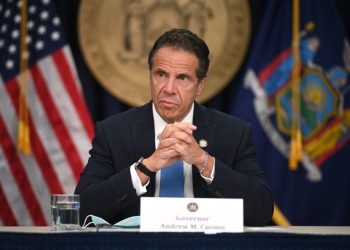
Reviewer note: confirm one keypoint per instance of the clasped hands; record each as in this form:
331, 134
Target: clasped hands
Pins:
176, 142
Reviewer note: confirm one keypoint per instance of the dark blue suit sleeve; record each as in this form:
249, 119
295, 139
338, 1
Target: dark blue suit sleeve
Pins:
105, 189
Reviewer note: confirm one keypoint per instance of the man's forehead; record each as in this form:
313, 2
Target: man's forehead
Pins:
174, 50
169, 58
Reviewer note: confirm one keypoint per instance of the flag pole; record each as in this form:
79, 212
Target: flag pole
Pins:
296, 136
23, 137
278, 217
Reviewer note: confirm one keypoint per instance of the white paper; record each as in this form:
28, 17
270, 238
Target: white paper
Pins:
207, 215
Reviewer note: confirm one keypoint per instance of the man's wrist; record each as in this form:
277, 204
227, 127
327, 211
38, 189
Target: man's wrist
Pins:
201, 160
205, 164
143, 168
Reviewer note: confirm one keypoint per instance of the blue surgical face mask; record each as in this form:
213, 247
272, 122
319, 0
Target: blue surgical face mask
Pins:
97, 221
130, 222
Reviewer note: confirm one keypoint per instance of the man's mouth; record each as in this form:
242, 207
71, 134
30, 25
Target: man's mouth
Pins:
168, 104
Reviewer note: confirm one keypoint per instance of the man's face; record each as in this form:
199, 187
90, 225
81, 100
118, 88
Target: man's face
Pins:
174, 84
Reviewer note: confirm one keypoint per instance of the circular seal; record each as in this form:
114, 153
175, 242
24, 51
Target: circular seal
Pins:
116, 36
192, 207
203, 143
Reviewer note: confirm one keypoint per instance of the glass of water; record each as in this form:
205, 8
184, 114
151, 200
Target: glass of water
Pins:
65, 212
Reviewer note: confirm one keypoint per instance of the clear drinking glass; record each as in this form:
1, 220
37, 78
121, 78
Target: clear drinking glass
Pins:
65, 212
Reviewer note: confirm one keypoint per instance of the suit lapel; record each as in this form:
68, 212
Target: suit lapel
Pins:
144, 138
205, 131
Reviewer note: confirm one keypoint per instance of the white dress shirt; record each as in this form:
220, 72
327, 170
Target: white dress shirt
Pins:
159, 125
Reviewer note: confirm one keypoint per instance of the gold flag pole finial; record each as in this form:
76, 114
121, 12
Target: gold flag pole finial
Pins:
296, 150
23, 137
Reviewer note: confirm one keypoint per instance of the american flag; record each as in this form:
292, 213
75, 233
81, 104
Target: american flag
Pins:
60, 125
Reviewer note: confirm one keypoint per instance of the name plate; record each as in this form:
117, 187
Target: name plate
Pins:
191, 215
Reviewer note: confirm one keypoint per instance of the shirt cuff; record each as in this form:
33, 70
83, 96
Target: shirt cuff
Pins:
136, 182
210, 179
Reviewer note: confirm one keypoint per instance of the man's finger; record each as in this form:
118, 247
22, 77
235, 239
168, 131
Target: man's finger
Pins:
170, 129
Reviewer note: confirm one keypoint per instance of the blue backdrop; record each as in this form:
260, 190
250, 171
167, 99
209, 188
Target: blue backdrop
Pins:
317, 193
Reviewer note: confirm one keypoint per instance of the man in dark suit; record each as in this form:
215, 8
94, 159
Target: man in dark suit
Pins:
131, 150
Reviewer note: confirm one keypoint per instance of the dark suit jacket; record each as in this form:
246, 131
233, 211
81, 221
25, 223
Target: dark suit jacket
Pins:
105, 186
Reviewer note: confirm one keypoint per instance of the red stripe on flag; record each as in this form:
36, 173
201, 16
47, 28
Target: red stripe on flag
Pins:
37, 147
20, 176
270, 69
57, 123
71, 87
6, 214
330, 153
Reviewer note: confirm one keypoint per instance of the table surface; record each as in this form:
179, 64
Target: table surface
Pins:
262, 238
320, 230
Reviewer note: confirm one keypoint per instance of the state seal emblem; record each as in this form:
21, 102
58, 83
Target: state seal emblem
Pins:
116, 36
325, 121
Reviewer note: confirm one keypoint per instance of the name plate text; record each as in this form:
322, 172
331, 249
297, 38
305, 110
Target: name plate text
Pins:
191, 215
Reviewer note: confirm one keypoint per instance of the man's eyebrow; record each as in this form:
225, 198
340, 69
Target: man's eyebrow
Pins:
183, 74
159, 70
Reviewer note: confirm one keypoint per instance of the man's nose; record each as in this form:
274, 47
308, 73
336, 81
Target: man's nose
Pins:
170, 85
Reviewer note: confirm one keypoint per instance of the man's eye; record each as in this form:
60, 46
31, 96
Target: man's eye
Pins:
185, 79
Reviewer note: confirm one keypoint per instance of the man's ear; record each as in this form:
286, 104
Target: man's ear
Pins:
200, 86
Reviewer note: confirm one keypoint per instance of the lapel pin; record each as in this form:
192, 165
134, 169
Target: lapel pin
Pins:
203, 143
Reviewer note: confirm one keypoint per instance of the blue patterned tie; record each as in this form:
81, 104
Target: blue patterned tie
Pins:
172, 181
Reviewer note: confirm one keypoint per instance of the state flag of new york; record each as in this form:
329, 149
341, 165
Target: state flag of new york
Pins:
297, 79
